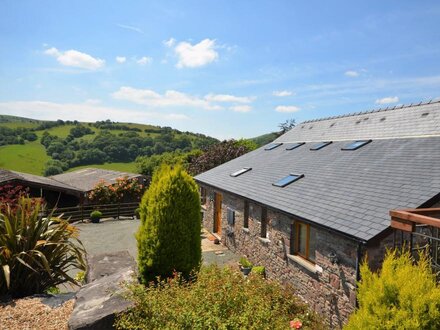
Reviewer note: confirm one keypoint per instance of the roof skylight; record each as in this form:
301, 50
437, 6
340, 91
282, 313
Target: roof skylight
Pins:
272, 146
240, 172
356, 145
320, 145
288, 180
292, 146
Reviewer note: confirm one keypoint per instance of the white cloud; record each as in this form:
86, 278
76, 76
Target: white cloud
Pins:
170, 42
351, 73
197, 55
121, 59
227, 98
241, 108
287, 108
387, 100
172, 98
282, 93
83, 112
130, 27
169, 98
144, 60
76, 59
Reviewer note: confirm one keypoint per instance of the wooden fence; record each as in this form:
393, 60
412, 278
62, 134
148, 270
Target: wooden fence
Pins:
82, 212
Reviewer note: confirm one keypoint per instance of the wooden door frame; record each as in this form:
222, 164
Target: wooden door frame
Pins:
218, 199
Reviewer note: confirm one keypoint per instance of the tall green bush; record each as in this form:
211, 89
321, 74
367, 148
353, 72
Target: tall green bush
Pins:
403, 295
169, 235
36, 253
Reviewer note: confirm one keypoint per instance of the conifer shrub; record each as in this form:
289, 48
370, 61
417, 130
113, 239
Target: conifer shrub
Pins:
403, 295
169, 235
220, 298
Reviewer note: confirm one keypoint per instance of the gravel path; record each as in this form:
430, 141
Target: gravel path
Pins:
31, 313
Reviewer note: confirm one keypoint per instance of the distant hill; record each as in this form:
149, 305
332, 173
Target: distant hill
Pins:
264, 139
31, 146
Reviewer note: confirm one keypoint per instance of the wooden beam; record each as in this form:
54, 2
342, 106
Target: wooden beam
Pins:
417, 218
402, 224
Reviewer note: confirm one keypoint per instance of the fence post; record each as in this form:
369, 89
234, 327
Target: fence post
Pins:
82, 212
119, 209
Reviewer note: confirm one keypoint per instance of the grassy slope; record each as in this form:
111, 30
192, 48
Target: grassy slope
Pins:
28, 158
123, 167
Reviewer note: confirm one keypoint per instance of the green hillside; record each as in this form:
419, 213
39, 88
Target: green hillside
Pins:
264, 139
32, 146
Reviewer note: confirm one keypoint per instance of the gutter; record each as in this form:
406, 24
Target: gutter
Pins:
359, 256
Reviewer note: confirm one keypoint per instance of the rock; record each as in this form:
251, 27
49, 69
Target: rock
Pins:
100, 265
56, 300
98, 302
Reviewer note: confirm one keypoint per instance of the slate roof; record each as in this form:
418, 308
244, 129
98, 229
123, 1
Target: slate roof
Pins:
86, 179
348, 191
397, 122
8, 176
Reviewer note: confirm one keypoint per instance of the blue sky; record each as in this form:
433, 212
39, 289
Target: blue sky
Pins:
223, 68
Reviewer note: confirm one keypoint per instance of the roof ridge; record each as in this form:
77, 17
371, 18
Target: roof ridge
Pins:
352, 114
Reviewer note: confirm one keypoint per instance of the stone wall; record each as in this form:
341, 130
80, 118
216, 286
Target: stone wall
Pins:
328, 288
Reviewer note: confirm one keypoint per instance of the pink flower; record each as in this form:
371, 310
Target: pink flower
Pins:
296, 324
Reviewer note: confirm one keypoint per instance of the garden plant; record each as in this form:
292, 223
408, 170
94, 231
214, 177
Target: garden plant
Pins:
36, 252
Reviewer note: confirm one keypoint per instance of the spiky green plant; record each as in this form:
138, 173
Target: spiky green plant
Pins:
36, 252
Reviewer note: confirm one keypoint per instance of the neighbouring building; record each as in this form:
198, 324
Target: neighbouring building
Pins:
86, 179
312, 204
67, 189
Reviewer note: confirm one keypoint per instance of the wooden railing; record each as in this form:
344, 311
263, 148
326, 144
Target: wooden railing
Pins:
82, 212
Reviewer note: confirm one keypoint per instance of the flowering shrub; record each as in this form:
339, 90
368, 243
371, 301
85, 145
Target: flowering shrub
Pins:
10, 195
217, 299
124, 189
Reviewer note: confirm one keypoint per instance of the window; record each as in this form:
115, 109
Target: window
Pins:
202, 195
240, 172
356, 145
294, 145
246, 215
320, 145
303, 240
231, 216
287, 180
272, 146
264, 223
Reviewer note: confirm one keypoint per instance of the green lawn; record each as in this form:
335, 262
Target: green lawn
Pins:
28, 158
123, 167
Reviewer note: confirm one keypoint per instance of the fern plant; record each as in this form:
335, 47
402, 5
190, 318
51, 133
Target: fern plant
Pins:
36, 253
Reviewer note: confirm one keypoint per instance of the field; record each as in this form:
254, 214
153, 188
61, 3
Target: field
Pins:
122, 167
28, 158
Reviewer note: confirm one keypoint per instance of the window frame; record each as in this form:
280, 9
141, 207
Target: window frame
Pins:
294, 240
263, 231
240, 172
203, 196
363, 143
320, 145
297, 177
293, 146
246, 215
272, 146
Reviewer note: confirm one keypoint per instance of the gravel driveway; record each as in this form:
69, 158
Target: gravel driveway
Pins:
117, 235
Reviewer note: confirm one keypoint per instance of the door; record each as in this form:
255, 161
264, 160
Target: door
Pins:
218, 214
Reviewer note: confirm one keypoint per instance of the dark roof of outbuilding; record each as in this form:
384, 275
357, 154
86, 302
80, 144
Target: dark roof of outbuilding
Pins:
8, 176
348, 191
87, 178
